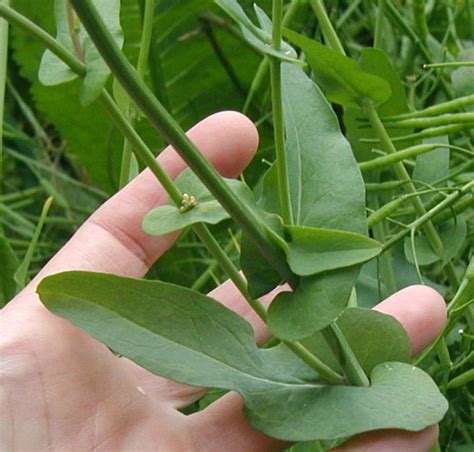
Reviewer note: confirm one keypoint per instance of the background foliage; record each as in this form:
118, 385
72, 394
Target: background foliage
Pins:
199, 65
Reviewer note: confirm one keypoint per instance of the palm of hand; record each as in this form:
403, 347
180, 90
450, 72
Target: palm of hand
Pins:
62, 390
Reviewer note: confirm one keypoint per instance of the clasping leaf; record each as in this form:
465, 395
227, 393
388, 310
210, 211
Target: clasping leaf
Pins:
54, 71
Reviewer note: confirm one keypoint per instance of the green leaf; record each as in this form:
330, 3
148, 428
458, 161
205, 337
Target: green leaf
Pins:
183, 335
260, 38
53, 71
10, 265
170, 218
316, 302
452, 233
376, 62
327, 191
316, 250
341, 77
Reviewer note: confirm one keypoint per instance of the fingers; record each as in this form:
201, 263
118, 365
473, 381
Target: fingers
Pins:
112, 240
421, 311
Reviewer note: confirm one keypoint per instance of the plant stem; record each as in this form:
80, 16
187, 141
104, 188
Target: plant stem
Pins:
329, 33
265, 64
278, 127
455, 64
418, 7
342, 350
3, 82
429, 215
379, 25
324, 370
173, 133
461, 380
229, 268
145, 43
402, 175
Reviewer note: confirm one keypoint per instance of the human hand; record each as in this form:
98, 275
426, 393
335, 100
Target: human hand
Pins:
63, 390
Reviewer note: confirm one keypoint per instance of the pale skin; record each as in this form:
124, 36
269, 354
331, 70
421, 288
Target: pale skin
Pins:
62, 390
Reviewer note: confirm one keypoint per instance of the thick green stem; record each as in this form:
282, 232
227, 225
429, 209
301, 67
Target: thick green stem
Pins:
329, 33
278, 125
346, 357
323, 370
173, 133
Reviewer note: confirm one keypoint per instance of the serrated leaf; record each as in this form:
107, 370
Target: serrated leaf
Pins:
261, 38
316, 250
340, 77
183, 335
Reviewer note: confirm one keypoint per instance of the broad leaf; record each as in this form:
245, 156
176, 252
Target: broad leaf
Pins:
315, 303
316, 250
183, 335
170, 218
9, 266
53, 71
327, 191
341, 77
260, 38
